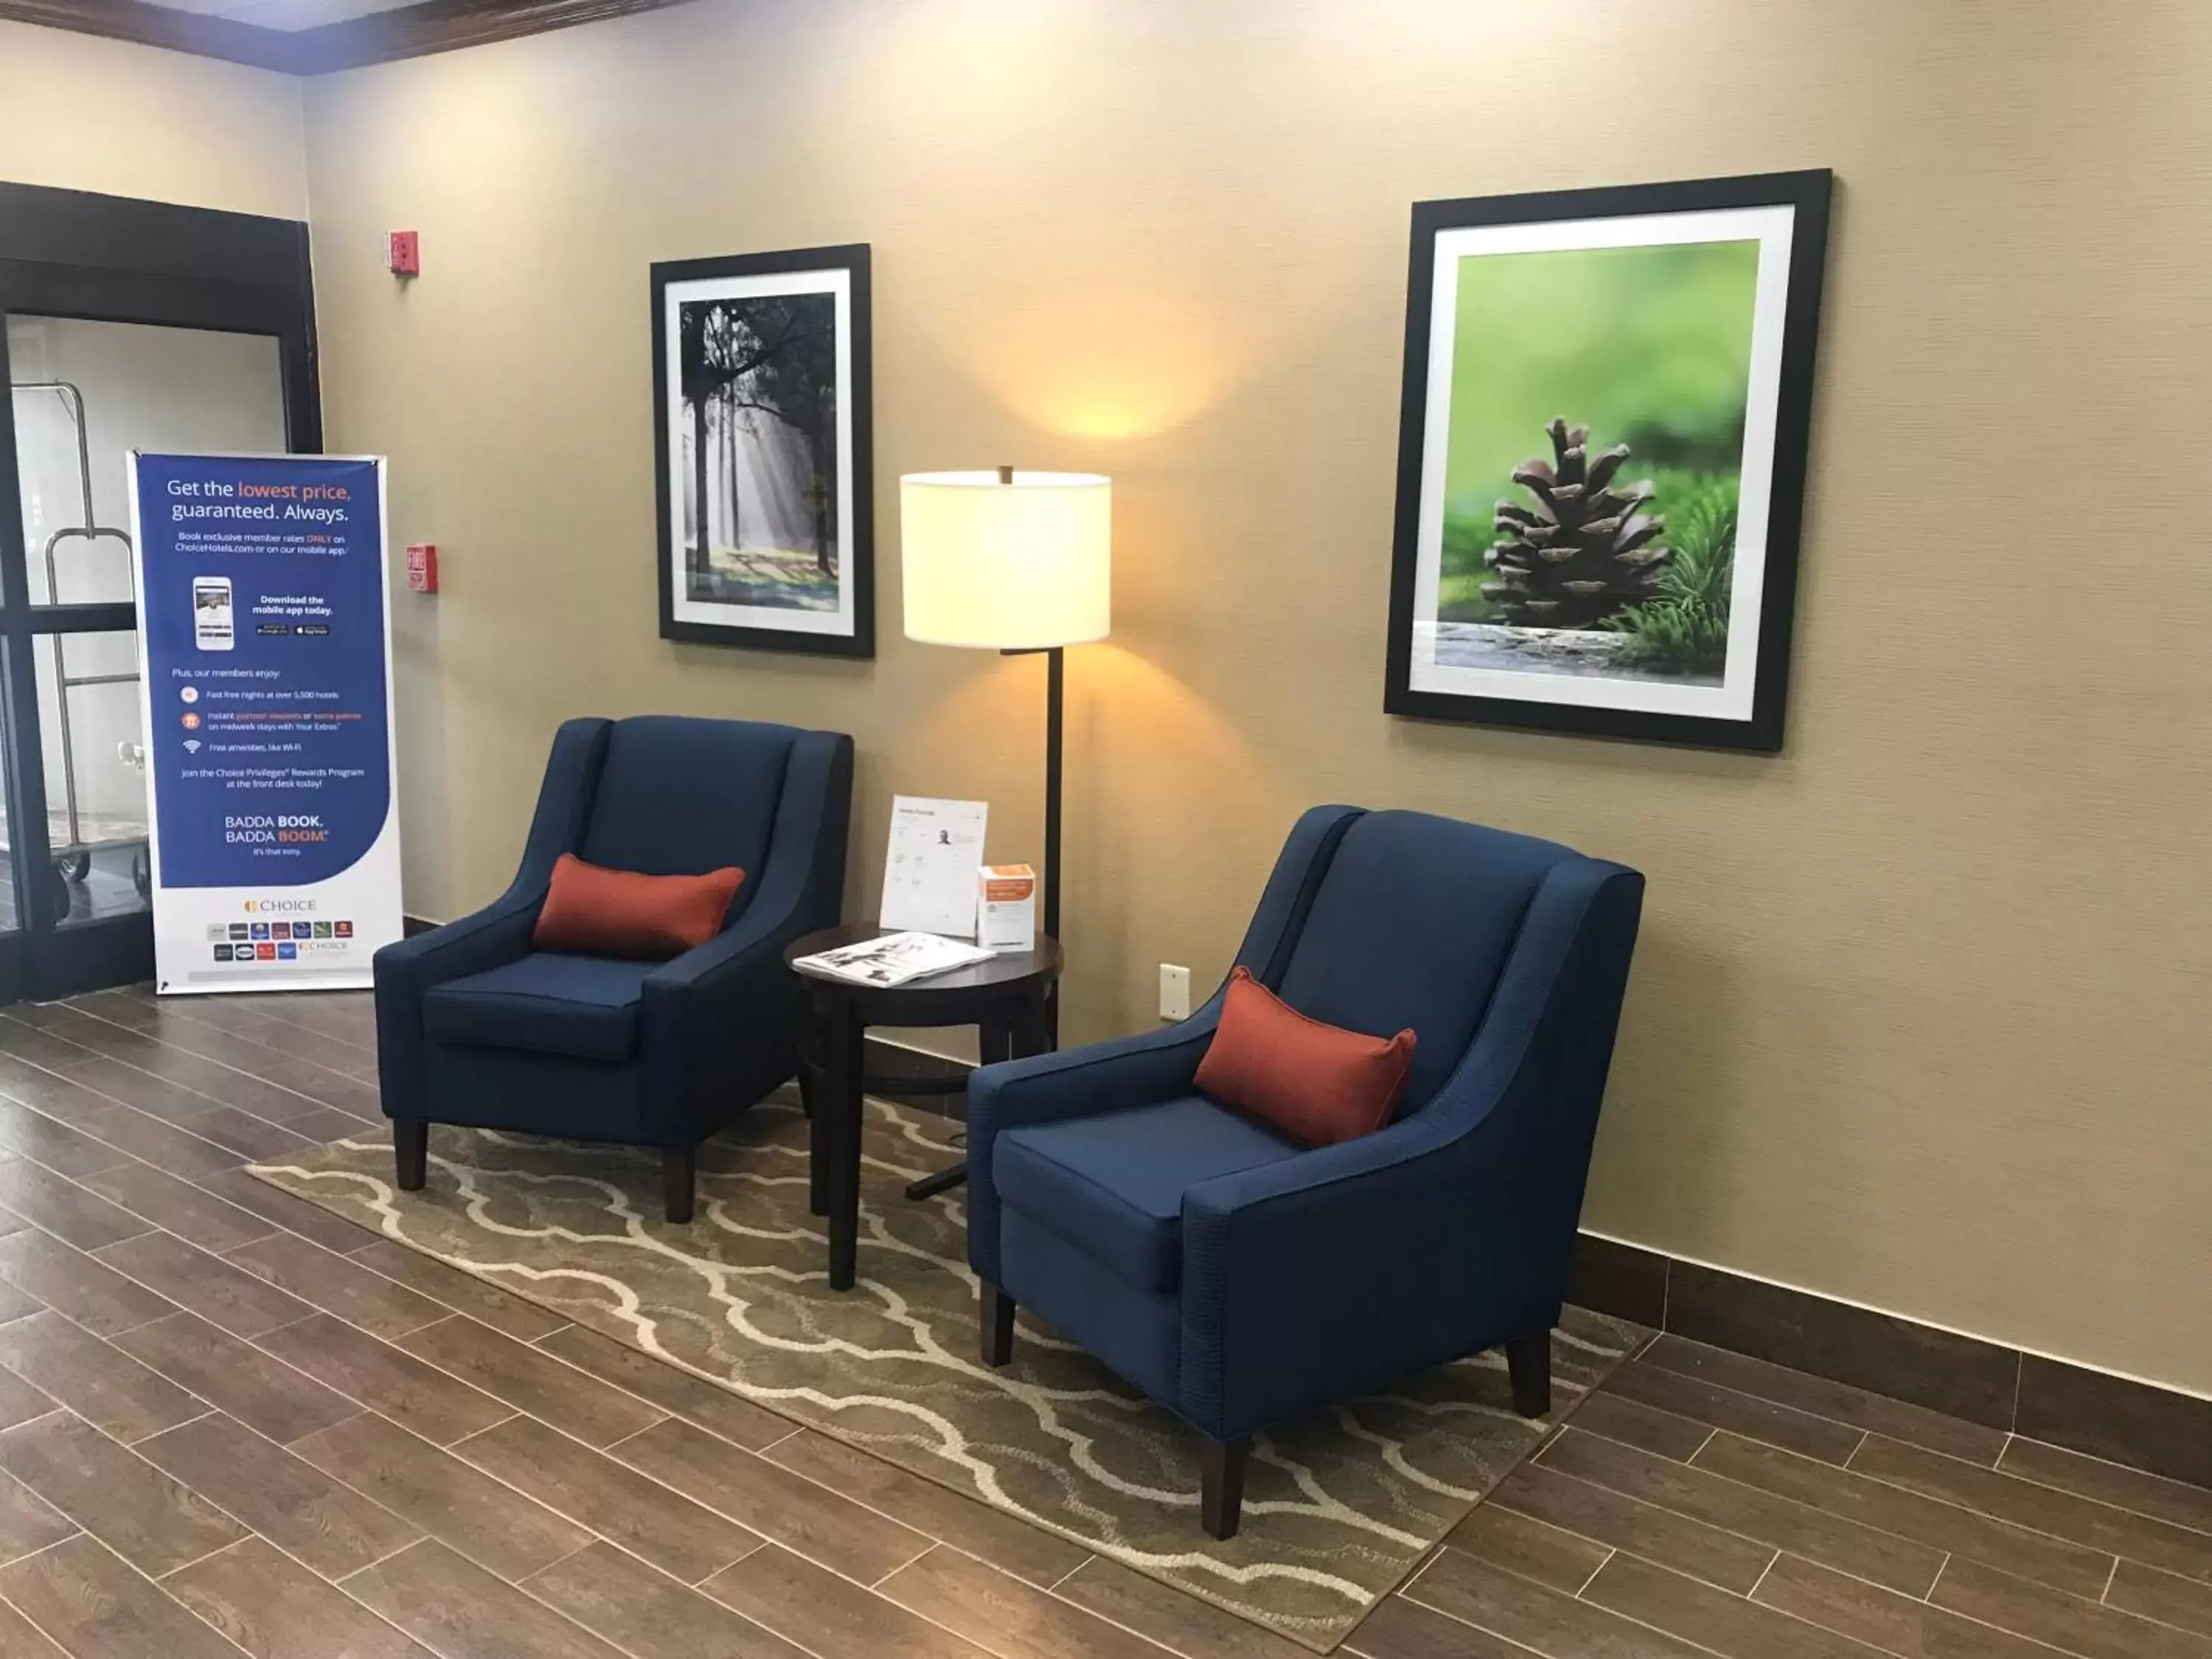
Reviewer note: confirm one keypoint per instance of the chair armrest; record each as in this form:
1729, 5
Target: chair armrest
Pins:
716, 977
497, 933
1132, 1071
406, 970
719, 1019
1338, 1272
1099, 1076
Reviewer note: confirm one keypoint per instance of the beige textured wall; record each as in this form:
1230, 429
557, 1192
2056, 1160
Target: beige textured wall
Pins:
1920, 1015
79, 112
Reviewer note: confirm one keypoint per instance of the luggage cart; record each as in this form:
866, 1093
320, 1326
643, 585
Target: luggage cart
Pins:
73, 834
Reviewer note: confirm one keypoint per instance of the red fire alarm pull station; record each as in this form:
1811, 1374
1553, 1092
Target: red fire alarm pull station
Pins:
405, 248
421, 567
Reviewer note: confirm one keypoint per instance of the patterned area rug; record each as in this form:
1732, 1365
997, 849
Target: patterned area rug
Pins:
1337, 1510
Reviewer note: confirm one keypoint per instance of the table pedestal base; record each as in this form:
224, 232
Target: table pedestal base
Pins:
1012, 1011
943, 1182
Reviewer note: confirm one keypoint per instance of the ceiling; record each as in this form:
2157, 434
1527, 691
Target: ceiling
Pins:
284, 14
314, 37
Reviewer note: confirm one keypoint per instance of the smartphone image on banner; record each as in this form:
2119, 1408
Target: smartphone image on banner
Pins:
211, 618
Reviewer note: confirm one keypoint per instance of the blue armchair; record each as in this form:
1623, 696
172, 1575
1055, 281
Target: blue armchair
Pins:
474, 1026
1239, 1278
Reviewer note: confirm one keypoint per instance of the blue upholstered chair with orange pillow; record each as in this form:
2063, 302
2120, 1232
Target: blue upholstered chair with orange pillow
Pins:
476, 1024
1239, 1277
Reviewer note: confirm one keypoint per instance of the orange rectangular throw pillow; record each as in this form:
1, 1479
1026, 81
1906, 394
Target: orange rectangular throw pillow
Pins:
598, 912
1316, 1083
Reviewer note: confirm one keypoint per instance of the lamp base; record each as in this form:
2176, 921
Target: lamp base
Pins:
943, 1182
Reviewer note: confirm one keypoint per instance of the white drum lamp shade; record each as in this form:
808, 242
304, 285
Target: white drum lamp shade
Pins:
1006, 561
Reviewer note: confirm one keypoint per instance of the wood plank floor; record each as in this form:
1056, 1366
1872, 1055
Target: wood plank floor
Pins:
230, 1422
1707, 1504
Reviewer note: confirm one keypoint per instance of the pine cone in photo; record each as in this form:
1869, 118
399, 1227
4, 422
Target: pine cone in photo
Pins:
1586, 550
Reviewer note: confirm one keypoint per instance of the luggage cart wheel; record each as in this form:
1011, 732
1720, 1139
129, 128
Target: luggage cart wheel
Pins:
141, 872
73, 867
62, 896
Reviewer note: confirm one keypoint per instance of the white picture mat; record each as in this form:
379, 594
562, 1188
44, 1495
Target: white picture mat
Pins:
838, 283
1772, 227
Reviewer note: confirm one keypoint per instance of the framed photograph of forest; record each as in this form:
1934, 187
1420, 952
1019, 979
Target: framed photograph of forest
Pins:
1601, 457
760, 378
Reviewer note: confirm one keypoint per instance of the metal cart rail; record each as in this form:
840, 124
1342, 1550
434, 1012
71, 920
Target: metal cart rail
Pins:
73, 850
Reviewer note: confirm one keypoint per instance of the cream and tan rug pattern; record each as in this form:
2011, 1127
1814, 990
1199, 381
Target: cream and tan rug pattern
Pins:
1337, 1508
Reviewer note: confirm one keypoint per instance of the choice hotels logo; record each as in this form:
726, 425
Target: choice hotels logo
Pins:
280, 907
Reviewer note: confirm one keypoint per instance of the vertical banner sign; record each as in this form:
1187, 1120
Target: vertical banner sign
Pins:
265, 661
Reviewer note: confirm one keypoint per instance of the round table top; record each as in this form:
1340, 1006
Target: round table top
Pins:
1010, 973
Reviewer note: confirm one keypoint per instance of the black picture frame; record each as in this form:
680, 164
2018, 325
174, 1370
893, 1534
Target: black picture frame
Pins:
756, 627
1758, 726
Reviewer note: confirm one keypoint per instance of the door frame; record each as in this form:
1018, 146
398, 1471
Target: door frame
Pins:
110, 259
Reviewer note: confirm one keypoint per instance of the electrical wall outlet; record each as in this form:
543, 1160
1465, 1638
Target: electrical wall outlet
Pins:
1175, 992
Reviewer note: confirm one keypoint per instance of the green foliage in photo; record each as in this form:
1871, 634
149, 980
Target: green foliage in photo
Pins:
1646, 346
1683, 628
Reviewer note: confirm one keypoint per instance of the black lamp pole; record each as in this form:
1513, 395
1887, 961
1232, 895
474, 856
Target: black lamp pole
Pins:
1055, 704
1055, 700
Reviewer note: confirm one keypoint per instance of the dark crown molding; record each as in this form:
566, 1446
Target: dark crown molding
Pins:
380, 37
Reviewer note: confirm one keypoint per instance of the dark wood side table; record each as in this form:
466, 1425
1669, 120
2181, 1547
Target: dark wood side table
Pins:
1006, 999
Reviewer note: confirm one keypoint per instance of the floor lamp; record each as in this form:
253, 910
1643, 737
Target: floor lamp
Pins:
1019, 564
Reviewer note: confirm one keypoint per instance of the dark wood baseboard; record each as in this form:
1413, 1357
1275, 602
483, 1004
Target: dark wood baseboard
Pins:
410, 926
2161, 1431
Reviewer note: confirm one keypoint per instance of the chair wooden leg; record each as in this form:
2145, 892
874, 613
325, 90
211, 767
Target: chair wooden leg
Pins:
411, 1148
1221, 1485
1528, 1362
997, 1309
678, 1172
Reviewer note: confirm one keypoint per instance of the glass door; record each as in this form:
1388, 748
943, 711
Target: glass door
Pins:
99, 362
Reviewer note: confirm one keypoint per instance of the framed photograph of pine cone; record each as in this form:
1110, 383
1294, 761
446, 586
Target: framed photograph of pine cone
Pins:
1601, 457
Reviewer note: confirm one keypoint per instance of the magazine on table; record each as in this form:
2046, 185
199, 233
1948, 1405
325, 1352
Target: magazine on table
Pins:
894, 959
